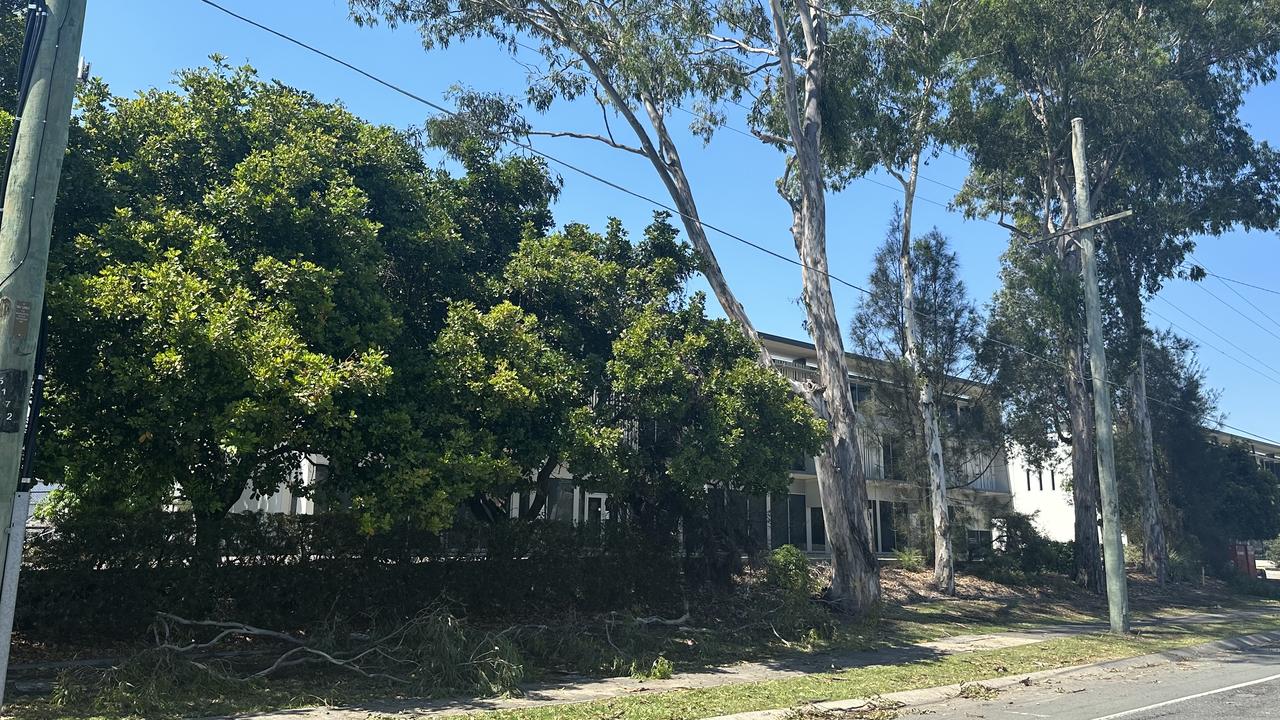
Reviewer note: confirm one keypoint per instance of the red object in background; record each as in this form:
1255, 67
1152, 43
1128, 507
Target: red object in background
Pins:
1243, 557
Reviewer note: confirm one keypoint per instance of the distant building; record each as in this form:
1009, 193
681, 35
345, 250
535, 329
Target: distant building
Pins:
1043, 491
897, 509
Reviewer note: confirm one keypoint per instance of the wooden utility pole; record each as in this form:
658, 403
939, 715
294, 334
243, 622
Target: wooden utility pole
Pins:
34, 169
1112, 545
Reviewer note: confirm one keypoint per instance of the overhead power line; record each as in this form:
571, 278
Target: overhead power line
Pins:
1241, 282
641, 196
1237, 293
1275, 378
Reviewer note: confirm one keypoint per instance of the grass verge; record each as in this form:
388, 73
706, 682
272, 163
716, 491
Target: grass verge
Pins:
881, 679
613, 645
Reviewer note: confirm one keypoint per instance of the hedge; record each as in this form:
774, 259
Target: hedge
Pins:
106, 576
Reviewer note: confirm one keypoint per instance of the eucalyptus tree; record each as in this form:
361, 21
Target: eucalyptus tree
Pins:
640, 61
1212, 177
1147, 79
947, 324
916, 51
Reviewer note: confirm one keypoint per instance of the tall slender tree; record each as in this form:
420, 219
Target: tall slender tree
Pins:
946, 328
915, 50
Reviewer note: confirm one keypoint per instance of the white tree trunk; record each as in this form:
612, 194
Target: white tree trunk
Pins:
842, 484
944, 573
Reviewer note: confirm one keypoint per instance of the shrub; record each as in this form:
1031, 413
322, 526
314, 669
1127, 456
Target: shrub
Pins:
1024, 553
108, 574
787, 570
661, 669
1132, 554
1184, 567
1257, 587
910, 559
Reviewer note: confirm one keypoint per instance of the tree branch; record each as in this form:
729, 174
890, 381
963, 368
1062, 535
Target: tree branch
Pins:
588, 136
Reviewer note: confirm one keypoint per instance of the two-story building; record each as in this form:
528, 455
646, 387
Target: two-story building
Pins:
897, 510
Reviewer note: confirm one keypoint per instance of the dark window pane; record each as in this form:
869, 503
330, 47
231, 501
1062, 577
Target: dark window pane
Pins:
818, 529
795, 512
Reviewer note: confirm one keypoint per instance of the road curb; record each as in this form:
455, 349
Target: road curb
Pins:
914, 699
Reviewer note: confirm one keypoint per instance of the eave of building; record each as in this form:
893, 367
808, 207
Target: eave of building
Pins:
1260, 447
855, 362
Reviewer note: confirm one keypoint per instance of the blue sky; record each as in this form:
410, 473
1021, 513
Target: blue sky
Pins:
138, 44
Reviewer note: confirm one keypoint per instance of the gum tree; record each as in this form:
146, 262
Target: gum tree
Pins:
916, 50
639, 61
1149, 80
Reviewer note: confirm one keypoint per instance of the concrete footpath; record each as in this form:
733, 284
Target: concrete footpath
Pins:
580, 690
1148, 686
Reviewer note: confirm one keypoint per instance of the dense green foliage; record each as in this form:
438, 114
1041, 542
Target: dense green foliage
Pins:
1217, 493
949, 327
259, 276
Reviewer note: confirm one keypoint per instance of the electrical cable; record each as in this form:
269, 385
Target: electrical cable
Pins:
586, 173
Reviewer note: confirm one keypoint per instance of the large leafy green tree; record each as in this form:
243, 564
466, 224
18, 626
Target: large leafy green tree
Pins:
1215, 493
215, 312
260, 275
641, 63
593, 357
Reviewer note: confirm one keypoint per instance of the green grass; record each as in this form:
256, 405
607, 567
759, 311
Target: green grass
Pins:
877, 680
628, 648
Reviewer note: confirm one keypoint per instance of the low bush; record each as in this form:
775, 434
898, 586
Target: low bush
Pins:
1257, 587
787, 570
910, 559
107, 576
1023, 553
1271, 550
1185, 567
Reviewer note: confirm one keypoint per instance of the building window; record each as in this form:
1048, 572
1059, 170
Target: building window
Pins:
890, 460
861, 394
979, 543
1040, 478
890, 525
1053, 482
817, 530
1028, 479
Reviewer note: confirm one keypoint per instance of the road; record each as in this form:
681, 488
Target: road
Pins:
1233, 685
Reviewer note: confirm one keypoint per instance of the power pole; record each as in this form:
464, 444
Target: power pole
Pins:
29, 194
1112, 545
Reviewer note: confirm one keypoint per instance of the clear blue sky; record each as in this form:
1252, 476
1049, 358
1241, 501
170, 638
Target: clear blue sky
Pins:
138, 44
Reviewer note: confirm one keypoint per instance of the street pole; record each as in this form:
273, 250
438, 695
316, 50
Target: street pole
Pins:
25, 227
1112, 545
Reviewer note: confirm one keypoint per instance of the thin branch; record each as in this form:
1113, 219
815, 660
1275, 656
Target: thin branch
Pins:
588, 136
743, 46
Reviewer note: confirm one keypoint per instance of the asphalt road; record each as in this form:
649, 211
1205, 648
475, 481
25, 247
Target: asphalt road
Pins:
1235, 685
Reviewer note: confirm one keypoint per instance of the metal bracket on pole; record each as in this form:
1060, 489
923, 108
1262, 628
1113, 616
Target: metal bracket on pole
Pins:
1069, 231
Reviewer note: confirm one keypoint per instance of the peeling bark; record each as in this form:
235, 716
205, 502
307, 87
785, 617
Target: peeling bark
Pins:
842, 483
1155, 551
1085, 492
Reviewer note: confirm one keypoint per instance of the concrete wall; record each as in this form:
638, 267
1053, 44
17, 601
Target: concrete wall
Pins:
1049, 498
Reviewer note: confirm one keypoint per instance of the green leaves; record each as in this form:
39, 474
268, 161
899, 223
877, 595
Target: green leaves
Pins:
217, 323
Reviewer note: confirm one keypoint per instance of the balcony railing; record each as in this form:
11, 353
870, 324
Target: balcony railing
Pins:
796, 372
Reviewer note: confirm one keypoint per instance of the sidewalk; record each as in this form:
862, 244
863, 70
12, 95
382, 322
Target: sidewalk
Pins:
589, 689
1066, 680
